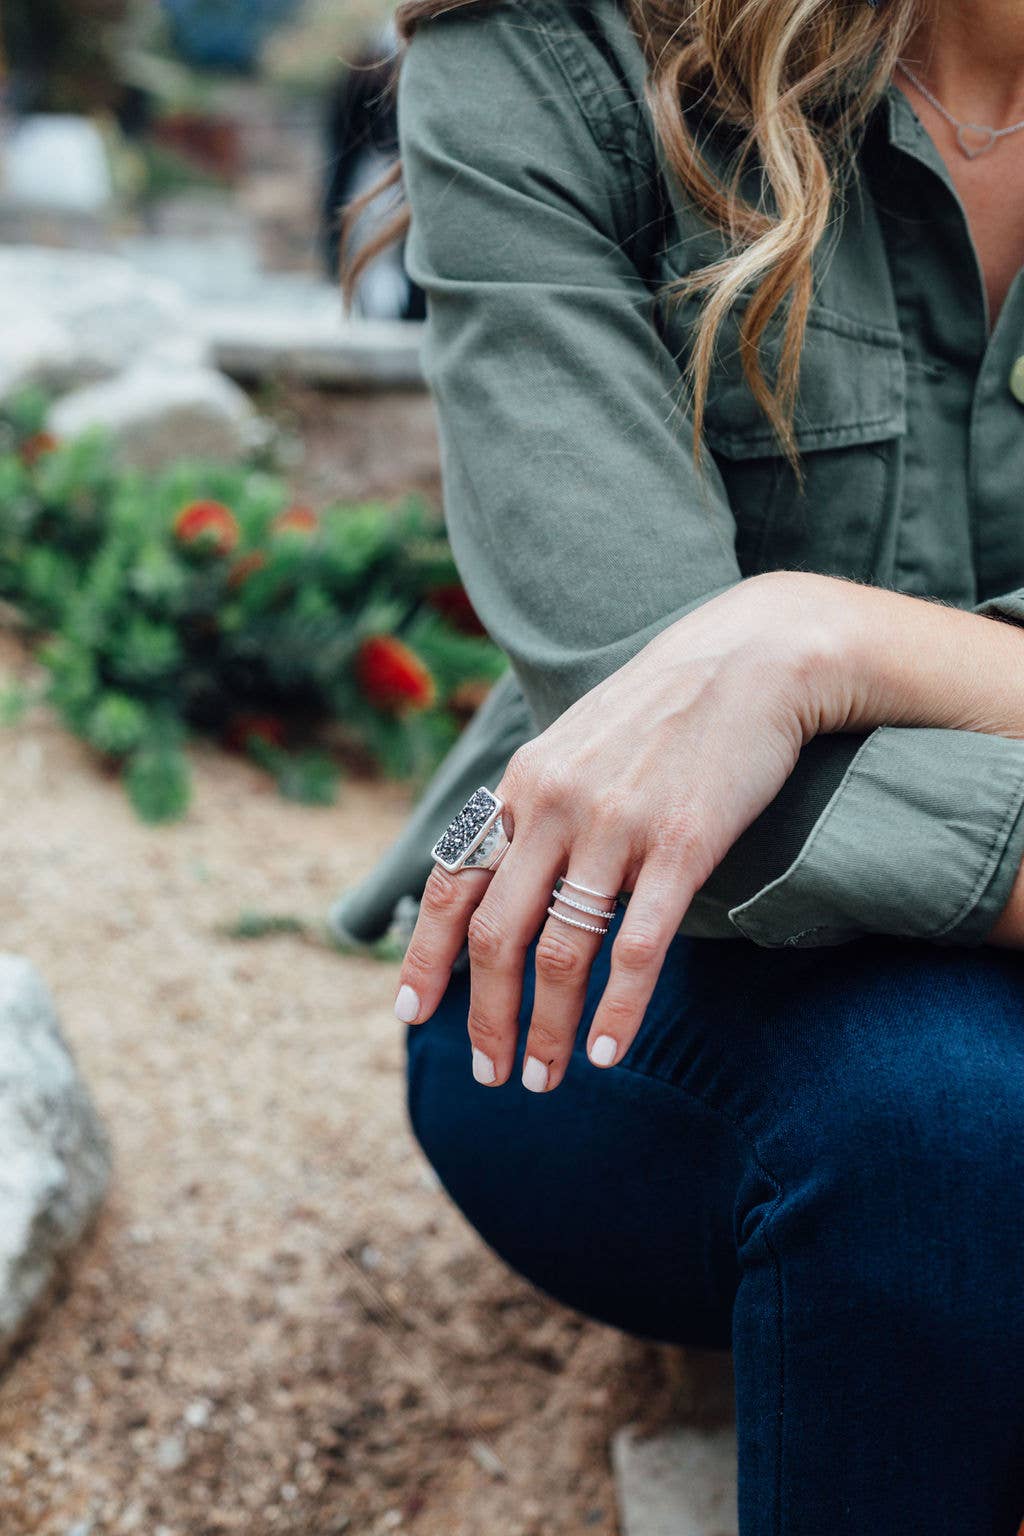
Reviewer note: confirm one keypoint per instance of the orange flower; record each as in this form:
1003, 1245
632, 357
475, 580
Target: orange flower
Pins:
392, 676
207, 523
297, 519
244, 728
452, 601
34, 447
247, 566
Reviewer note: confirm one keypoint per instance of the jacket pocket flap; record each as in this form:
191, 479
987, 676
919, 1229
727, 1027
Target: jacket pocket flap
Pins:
851, 389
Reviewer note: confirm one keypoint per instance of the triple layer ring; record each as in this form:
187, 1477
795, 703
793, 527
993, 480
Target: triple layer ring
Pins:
560, 894
476, 837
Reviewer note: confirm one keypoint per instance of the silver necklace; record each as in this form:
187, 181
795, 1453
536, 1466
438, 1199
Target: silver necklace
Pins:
974, 139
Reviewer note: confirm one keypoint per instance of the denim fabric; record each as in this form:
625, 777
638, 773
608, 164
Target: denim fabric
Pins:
814, 1157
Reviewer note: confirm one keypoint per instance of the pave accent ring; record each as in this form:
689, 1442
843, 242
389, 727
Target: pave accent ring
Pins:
476, 837
601, 895
581, 906
587, 927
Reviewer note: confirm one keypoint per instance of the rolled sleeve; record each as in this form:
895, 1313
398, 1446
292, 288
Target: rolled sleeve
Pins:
922, 839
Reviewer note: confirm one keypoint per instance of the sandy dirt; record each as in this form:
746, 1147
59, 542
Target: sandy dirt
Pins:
280, 1324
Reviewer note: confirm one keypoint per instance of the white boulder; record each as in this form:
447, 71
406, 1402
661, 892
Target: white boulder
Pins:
93, 316
54, 1156
157, 413
57, 160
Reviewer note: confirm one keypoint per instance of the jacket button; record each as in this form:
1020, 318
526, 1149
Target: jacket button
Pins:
1017, 380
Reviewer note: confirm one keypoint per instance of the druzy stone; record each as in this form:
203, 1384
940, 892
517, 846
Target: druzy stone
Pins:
460, 832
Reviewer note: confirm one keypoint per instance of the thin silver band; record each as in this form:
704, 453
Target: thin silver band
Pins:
601, 895
587, 927
581, 906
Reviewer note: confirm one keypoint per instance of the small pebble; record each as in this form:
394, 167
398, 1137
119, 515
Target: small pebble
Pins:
487, 1460
197, 1414
171, 1453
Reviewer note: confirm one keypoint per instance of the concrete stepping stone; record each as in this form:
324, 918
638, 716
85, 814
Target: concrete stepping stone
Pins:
678, 1483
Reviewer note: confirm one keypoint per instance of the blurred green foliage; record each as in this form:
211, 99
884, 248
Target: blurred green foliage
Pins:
202, 599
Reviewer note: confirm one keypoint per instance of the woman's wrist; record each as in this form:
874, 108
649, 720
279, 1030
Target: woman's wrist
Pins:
813, 636
874, 657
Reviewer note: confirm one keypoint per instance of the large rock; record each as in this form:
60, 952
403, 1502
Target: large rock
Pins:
33, 346
54, 1157
314, 343
71, 317
157, 415
58, 161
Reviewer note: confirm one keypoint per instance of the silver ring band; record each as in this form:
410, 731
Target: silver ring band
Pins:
587, 927
581, 906
601, 895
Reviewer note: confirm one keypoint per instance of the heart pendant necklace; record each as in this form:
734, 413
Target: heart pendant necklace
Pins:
974, 139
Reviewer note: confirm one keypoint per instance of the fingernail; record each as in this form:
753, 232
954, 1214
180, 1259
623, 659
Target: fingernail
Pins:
602, 1052
483, 1067
407, 1005
535, 1075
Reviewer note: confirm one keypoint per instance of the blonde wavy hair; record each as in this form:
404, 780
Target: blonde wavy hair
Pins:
798, 78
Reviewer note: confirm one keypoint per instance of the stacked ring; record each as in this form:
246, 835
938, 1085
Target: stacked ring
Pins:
581, 906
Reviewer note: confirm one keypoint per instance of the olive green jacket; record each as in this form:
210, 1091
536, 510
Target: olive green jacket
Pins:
544, 226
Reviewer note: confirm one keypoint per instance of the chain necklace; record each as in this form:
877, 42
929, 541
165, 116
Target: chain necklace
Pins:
973, 138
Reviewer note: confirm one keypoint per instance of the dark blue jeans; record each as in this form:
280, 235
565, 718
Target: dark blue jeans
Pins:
814, 1158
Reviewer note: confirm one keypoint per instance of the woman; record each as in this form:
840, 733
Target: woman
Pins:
726, 331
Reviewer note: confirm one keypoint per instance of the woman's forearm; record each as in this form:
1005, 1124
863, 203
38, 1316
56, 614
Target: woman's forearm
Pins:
900, 660
892, 659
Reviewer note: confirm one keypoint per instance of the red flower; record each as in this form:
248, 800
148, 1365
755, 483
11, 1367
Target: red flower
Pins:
247, 566
244, 728
452, 601
296, 519
207, 523
34, 447
392, 676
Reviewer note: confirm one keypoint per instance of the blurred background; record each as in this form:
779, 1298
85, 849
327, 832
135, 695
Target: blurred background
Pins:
233, 646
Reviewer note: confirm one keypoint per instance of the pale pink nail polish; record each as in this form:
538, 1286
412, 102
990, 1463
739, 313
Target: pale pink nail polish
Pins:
603, 1051
483, 1067
407, 1005
535, 1075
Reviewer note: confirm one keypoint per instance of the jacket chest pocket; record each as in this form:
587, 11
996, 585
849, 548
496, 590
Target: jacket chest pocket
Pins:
849, 421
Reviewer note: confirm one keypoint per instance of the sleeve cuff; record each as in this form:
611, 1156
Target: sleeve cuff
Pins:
922, 839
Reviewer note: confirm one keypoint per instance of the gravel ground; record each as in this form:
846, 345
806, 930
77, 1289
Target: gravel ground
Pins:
279, 1324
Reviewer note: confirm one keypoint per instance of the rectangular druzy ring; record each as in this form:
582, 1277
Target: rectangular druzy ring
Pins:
475, 838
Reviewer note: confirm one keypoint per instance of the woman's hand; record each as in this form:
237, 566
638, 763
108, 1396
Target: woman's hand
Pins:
646, 782
641, 786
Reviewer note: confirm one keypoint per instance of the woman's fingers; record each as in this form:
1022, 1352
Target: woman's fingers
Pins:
656, 908
572, 936
449, 901
500, 933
